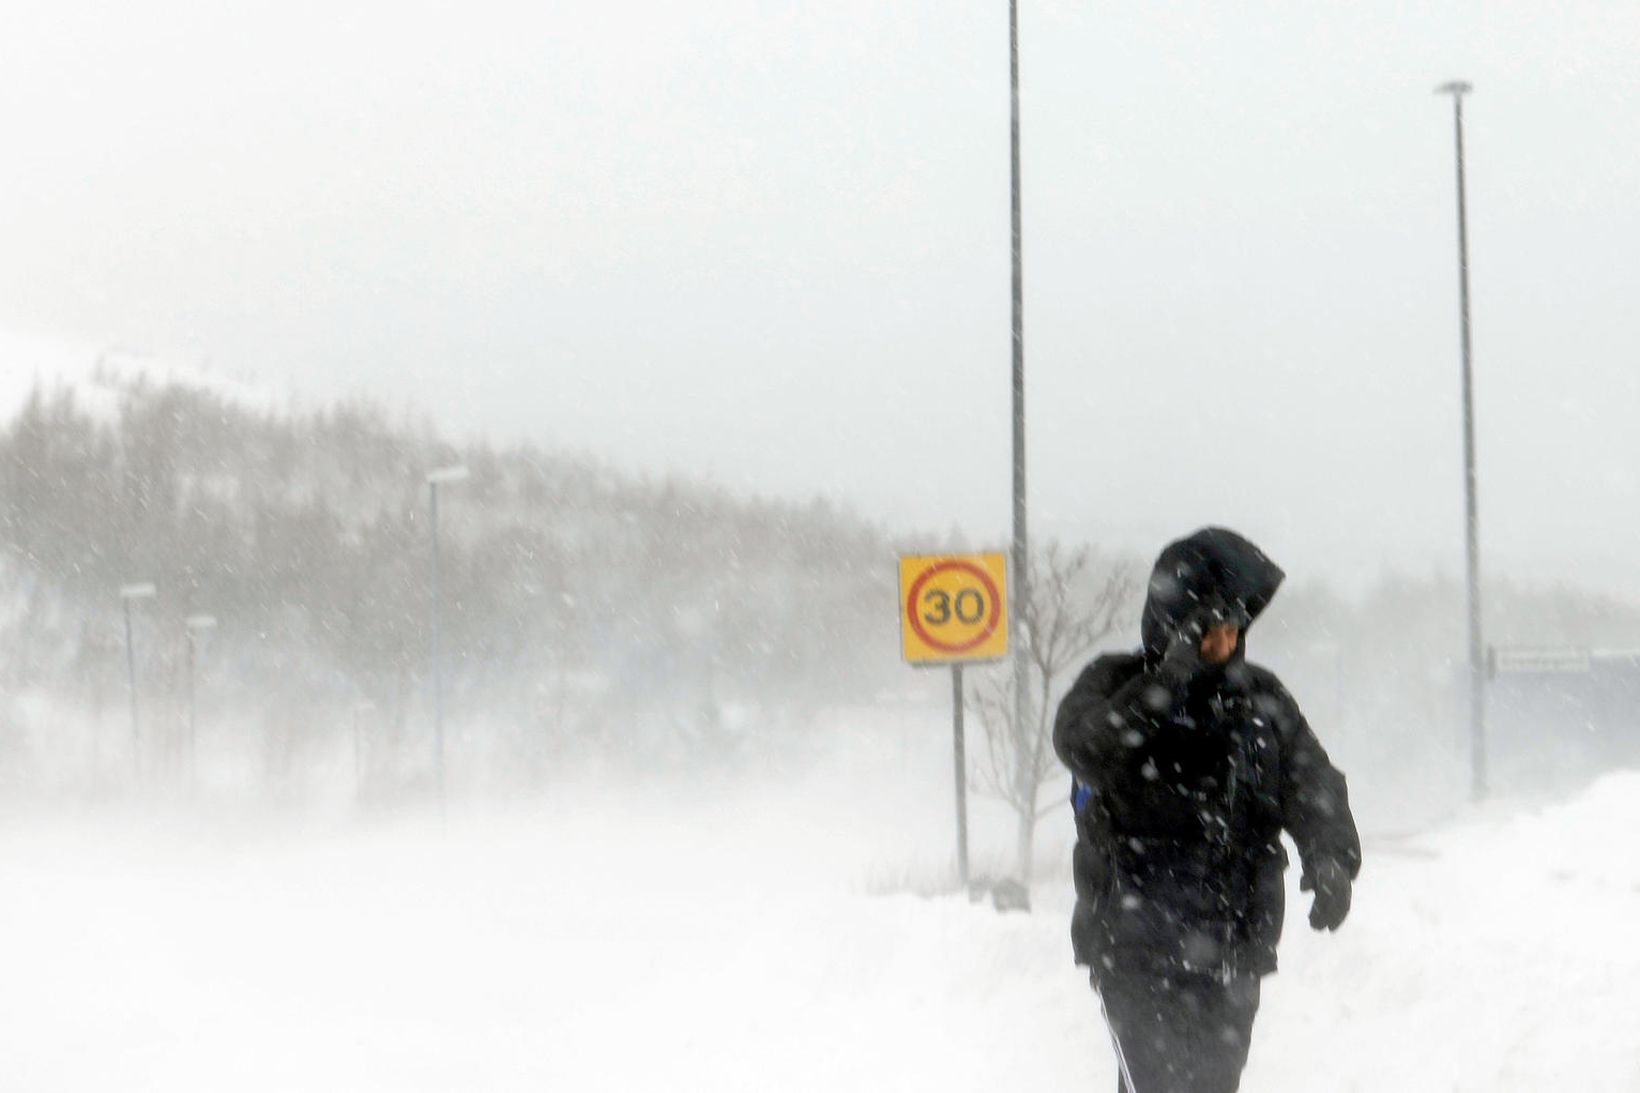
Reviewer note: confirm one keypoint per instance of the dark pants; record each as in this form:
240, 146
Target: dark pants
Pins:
1179, 1033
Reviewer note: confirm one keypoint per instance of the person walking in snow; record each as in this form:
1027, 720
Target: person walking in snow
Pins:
1188, 764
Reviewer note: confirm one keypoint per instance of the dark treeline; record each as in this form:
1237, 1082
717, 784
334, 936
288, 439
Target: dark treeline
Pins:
581, 607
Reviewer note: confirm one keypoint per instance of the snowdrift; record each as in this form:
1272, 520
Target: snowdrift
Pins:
685, 936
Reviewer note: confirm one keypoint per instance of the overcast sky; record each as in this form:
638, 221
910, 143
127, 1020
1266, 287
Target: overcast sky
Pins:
768, 242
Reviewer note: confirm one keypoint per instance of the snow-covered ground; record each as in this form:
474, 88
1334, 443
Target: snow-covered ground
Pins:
734, 935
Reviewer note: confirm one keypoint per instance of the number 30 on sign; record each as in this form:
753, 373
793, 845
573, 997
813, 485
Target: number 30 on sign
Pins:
953, 607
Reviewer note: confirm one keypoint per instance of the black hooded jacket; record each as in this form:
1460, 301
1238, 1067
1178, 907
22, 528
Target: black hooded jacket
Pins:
1183, 786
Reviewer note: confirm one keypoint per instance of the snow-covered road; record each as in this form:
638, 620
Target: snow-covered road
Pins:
628, 941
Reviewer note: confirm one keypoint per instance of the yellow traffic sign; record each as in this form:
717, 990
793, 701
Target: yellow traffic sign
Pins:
953, 607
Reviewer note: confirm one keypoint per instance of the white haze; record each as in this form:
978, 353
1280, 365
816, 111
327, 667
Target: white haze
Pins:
770, 246
730, 873
755, 249
721, 936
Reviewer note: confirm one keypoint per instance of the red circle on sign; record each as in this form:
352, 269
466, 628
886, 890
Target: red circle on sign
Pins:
991, 624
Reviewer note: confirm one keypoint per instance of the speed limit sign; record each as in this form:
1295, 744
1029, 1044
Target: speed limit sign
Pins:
954, 610
953, 607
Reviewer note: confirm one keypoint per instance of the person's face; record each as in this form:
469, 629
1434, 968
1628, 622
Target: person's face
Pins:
1219, 643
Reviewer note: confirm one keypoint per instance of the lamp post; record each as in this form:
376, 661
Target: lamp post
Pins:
194, 626
1472, 550
143, 590
1020, 593
435, 479
360, 708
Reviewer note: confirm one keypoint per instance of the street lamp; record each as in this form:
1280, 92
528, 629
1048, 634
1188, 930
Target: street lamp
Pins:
1020, 578
360, 708
435, 479
194, 625
1472, 556
143, 590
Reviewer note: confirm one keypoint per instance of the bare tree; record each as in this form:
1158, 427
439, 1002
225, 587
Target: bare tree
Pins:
1076, 600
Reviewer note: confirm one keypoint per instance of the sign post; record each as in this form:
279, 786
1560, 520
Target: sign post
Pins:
954, 610
960, 750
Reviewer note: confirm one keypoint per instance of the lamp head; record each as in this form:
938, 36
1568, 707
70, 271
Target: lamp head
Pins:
456, 473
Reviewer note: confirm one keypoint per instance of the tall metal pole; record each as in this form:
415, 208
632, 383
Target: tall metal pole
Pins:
193, 720
1021, 554
129, 592
962, 774
1477, 694
454, 473
438, 665
131, 672
192, 627
358, 750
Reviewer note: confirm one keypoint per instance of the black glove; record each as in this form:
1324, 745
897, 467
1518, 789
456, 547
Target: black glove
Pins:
1331, 883
1182, 661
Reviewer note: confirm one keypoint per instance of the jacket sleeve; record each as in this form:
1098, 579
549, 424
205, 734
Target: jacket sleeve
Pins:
1106, 714
1315, 800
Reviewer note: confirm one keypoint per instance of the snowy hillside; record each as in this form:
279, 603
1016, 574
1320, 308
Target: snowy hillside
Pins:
570, 593
98, 376
717, 938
